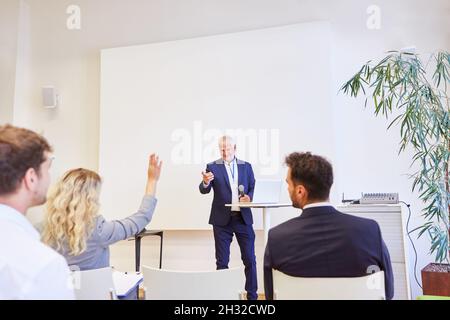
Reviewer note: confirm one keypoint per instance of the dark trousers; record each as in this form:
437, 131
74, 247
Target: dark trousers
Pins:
245, 235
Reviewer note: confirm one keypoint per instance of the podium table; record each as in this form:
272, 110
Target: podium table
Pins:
265, 209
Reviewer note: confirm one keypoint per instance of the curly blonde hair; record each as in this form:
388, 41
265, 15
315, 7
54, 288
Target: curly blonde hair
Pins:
72, 207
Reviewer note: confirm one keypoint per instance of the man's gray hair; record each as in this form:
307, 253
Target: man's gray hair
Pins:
228, 139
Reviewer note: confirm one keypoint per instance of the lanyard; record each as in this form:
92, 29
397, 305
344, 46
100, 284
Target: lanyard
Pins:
232, 168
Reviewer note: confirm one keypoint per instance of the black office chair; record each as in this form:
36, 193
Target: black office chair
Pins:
137, 246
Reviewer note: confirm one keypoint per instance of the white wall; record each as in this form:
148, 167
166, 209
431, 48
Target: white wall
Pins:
70, 61
367, 158
178, 97
9, 16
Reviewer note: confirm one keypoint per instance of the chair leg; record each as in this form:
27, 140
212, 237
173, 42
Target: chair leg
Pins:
144, 289
112, 294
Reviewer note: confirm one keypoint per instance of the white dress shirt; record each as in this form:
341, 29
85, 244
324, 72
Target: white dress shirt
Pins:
317, 204
233, 177
28, 268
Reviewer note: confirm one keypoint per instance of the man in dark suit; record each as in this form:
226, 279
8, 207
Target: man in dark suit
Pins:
225, 176
322, 242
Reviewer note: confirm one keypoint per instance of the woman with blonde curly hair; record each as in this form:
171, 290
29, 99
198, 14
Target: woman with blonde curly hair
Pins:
73, 226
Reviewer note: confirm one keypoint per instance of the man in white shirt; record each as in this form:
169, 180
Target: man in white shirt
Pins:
28, 268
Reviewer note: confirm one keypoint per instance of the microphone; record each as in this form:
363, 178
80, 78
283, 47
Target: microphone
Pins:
241, 190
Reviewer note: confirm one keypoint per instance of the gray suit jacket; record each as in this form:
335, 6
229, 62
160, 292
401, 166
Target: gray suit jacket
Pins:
106, 233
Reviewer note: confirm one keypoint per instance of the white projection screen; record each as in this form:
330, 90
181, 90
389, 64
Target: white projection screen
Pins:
269, 88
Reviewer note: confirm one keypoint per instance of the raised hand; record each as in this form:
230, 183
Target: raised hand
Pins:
153, 173
154, 168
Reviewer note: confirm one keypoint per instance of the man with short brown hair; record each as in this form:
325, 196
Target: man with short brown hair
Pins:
322, 242
28, 268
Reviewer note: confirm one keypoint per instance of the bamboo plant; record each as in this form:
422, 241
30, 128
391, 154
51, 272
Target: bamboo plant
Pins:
414, 94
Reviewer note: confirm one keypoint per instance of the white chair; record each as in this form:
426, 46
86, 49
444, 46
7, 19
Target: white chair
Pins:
95, 284
369, 287
224, 284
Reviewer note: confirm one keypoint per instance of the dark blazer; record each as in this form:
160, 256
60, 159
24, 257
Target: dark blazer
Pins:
221, 215
323, 242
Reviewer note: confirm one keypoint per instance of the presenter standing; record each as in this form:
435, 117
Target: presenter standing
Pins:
232, 181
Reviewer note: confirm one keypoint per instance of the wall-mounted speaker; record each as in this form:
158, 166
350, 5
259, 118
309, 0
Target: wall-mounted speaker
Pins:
50, 97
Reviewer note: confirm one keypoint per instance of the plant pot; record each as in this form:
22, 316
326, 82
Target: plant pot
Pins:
436, 279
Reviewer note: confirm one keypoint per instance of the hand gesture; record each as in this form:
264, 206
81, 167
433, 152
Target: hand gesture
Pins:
207, 177
154, 168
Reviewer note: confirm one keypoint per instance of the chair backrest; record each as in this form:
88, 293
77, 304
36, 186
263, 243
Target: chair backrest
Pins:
162, 284
94, 284
370, 287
